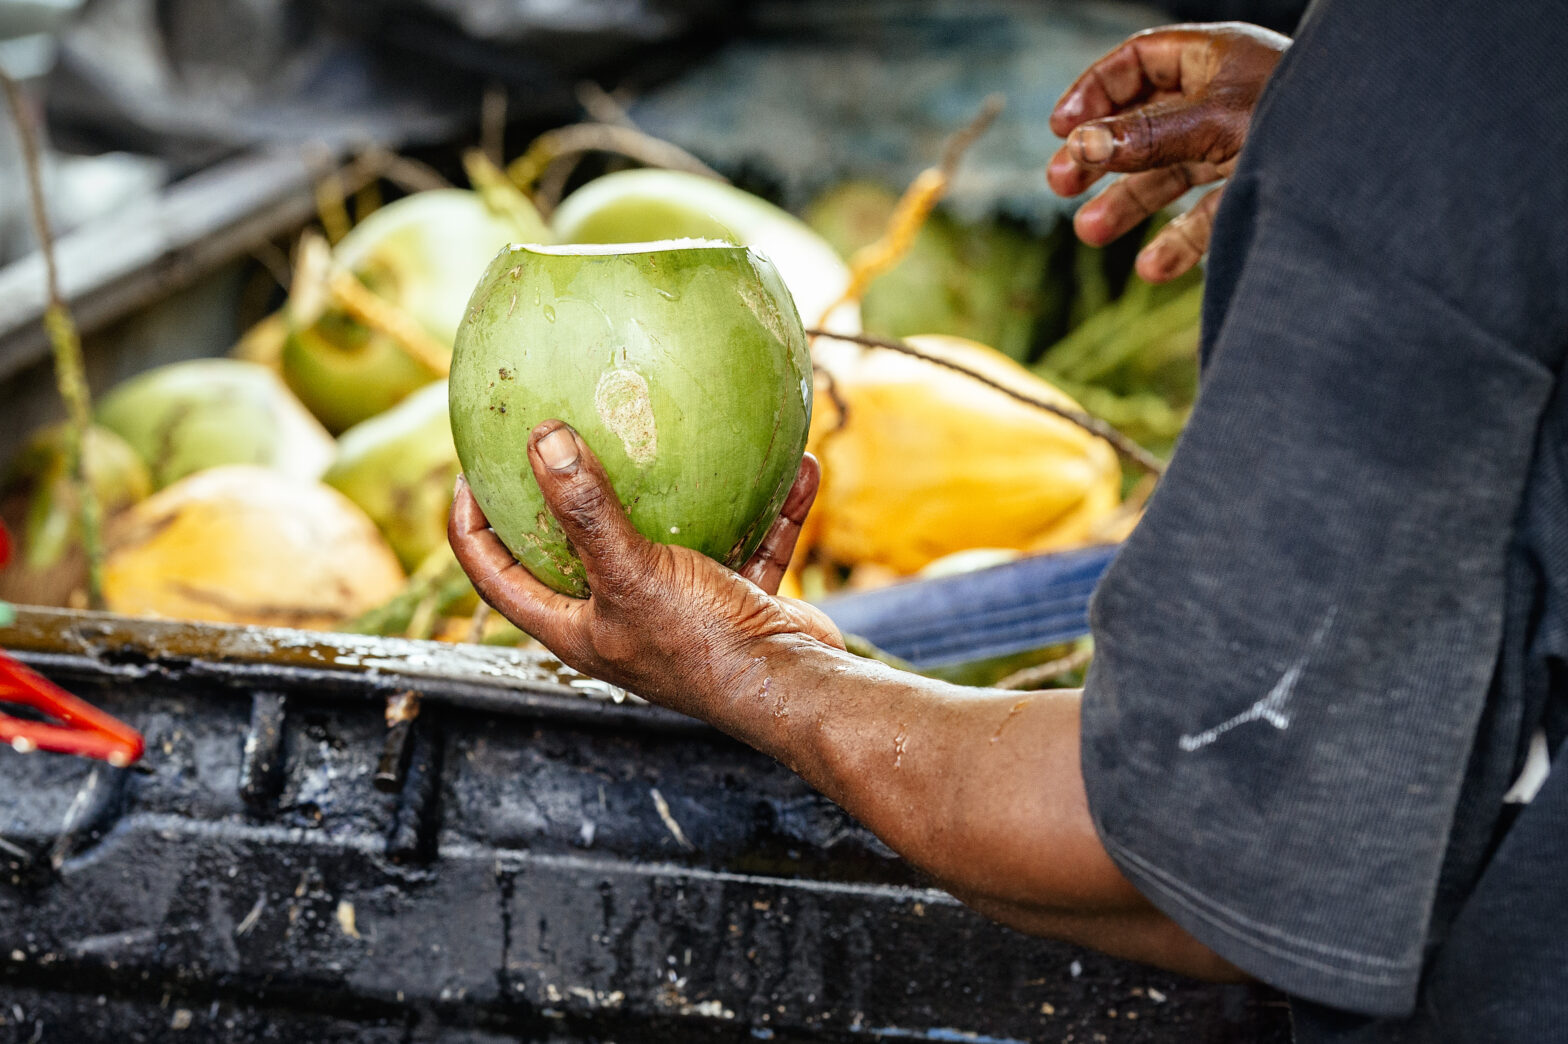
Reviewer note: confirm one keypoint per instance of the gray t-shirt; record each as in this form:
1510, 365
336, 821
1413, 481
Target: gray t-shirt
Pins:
1324, 655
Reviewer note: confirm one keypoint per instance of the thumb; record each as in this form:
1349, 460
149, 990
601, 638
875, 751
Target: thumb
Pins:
582, 500
1161, 134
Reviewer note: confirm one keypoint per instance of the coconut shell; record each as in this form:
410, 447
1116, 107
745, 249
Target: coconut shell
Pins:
928, 462
637, 206
683, 365
399, 468
189, 416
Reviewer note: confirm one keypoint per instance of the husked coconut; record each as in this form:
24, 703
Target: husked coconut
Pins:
248, 545
399, 467
189, 416
682, 364
421, 255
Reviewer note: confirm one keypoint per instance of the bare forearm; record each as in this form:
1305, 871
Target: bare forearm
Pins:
982, 789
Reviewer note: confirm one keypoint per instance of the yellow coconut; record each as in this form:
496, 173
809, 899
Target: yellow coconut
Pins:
245, 544
929, 462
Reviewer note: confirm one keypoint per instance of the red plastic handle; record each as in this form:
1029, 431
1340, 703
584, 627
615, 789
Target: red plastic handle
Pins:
84, 729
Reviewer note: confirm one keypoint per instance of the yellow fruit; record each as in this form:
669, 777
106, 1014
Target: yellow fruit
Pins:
244, 544
930, 462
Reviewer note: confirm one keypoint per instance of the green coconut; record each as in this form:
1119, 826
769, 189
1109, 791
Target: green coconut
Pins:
682, 364
421, 254
986, 282
399, 468
636, 206
190, 416
38, 500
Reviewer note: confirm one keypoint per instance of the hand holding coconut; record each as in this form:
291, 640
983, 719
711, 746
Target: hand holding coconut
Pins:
663, 621
684, 363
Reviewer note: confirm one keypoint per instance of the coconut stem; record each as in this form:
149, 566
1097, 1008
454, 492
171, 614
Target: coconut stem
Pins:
382, 316
330, 207
1093, 425
65, 340
563, 142
913, 209
500, 195
830, 385
1034, 677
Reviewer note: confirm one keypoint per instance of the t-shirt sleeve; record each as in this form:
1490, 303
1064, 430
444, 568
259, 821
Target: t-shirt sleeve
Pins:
1294, 647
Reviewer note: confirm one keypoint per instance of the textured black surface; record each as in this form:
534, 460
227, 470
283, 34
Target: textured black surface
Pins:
522, 885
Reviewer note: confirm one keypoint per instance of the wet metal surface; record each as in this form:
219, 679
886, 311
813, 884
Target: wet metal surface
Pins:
553, 867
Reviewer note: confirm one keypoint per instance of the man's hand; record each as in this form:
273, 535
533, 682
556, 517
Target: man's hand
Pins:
1170, 109
665, 622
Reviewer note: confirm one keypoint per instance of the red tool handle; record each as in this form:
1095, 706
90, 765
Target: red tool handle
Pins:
83, 729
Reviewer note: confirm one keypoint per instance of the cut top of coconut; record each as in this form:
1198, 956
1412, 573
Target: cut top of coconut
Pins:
593, 249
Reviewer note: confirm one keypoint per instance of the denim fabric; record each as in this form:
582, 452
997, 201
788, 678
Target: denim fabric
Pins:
1322, 655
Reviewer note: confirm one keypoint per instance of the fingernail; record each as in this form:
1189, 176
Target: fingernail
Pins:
558, 450
1095, 144
457, 487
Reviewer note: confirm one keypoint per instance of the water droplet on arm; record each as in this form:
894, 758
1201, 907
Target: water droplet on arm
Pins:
1017, 707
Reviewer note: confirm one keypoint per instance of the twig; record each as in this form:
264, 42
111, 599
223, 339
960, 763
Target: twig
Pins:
492, 123
834, 394
953, 151
270, 256
1032, 677
602, 106
64, 338
526, 170
375, 161
477, 622
913, 209
410, 175
1093, 425
330, 208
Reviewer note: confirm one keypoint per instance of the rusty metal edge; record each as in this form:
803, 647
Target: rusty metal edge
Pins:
106, 647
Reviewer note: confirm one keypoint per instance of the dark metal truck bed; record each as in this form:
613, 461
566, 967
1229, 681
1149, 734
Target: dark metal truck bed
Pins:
526, 860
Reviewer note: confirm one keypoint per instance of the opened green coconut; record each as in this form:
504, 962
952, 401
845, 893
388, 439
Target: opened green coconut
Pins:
399, 468
681, 363
422, 255
635, 206
190, 416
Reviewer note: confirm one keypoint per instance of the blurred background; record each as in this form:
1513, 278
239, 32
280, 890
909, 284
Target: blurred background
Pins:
269, 217
140, 92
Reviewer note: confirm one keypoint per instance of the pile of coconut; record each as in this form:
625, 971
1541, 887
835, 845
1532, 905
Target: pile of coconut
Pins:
305, 480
